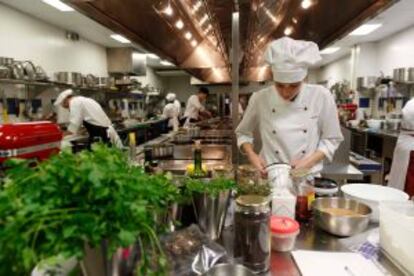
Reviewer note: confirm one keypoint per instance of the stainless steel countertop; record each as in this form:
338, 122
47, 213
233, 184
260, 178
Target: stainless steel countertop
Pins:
341, 172
380, 132
310, 238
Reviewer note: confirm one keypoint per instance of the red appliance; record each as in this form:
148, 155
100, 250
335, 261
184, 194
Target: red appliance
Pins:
36, 140
351, 108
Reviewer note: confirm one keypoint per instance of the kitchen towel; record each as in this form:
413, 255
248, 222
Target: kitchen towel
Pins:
313, 263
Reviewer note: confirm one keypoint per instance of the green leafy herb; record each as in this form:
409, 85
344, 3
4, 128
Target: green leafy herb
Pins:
212, 187
57, 206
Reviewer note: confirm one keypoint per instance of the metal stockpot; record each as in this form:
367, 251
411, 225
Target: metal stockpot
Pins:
72, 78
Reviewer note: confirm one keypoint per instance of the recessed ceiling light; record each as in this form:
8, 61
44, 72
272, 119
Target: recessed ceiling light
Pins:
193, 43
365, 29
179, 24
168, 10
330, 50
197, 6
166, 63
306, 4
120, 38
294, 20
153, 56
204, 19
57, 4
288, 31
188, 35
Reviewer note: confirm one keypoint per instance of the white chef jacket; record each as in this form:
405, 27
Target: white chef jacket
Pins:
177, 105
193, 108
86, 109
292, 130
403, 148
170, 111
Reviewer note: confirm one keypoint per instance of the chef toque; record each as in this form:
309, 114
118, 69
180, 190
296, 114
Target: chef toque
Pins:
170, 97
62, 96
290, 59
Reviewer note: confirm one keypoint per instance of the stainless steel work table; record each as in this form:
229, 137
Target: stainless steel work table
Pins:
310, 238
341, 172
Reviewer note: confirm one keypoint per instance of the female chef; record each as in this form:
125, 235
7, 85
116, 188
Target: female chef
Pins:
297, 122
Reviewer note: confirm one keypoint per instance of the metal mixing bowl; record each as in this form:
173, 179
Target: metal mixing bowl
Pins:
341, 225
228, 270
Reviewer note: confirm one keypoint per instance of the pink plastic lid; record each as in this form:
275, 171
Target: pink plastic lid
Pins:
283, 225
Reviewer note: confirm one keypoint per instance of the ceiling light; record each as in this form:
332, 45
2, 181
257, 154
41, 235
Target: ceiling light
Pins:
188, 35
288, 31
306, 4
294, 20
365, 29
179, 24
120, 38
330, 50
58, 5
197, 6
166, 63
153, 56
204, 19
193, 43
168, 10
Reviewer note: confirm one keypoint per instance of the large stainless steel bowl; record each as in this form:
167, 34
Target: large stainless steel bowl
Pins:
228, 269
341, 225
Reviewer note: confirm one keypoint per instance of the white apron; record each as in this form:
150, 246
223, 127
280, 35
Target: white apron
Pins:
400, 161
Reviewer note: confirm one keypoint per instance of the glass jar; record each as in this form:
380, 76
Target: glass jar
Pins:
305, 195
252, 232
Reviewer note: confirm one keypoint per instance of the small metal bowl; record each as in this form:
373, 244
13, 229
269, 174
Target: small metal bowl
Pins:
338, 224
229, 269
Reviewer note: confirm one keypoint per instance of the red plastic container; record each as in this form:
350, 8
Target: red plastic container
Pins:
37, 140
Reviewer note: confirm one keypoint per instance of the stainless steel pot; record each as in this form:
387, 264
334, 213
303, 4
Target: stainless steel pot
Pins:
72, 78
5, 72
162, 150
17, 70
341, 225
182, 138
29, 70
194, 132
104, 82
410, 74
6, 61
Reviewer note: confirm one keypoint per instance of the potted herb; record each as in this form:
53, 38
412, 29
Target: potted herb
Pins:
210, 198
71, 200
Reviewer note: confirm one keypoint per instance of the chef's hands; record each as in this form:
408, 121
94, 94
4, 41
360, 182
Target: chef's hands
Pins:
308, 162
258, 163
255, 160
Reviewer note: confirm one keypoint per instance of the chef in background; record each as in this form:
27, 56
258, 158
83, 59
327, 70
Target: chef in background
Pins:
87, 112
297, 122
195, 110
172, 112
402, 168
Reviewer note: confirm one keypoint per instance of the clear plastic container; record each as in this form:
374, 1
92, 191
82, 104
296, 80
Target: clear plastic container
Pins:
284, 232
397, 231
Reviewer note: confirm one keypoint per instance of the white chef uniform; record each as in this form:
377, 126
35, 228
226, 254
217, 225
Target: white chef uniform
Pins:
193, 108
405, 145
88, 112
292, 130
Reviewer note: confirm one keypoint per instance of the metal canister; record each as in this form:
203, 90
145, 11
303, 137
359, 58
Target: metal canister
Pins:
252, 232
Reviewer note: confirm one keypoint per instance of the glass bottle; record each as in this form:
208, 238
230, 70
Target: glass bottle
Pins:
198, 161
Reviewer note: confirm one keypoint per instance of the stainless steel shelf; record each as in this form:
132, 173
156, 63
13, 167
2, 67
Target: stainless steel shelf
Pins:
65, 85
